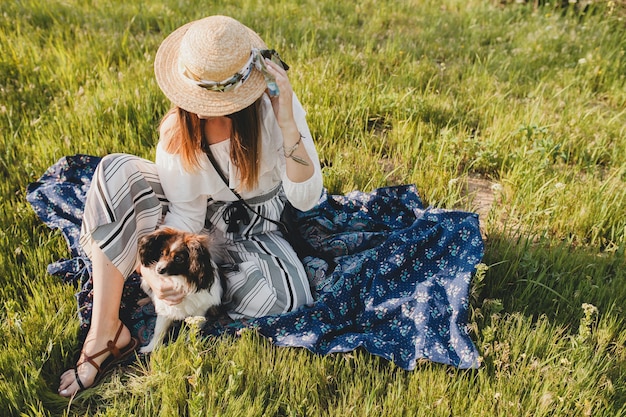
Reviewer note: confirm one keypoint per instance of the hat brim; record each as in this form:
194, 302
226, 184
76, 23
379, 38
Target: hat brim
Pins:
196, 99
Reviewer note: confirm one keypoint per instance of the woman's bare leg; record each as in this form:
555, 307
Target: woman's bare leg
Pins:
108, 284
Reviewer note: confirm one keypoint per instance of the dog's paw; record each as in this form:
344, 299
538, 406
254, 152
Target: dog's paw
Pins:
147, 349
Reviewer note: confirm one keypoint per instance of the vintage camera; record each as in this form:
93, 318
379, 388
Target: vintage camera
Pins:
272, 87
273, 55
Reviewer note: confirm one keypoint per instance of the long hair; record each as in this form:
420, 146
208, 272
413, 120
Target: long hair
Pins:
187, 139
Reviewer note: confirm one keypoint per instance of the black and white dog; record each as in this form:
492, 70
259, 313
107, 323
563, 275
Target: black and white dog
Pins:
189, 261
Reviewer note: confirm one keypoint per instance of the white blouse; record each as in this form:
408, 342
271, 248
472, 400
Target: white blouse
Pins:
188, 192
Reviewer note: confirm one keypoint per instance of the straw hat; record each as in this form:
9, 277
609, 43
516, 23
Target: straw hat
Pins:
204, 56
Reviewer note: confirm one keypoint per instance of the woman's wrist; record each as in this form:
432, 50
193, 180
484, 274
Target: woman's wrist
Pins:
299, 164
291, 134
290, 153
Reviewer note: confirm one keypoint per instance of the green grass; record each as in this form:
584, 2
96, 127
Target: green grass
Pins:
529, 99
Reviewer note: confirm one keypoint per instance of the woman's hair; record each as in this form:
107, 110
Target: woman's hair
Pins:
187, 139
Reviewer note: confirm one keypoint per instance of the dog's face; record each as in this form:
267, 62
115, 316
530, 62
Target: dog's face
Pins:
174, 253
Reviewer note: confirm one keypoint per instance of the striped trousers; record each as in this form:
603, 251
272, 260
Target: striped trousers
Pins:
126, 201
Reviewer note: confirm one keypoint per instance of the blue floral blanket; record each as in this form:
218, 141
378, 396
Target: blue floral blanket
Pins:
387, 274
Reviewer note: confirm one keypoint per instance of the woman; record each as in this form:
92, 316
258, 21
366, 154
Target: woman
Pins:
226, 139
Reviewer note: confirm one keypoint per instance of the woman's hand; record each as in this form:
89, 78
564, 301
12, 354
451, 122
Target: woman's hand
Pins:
298, 162
283, 103
163, 289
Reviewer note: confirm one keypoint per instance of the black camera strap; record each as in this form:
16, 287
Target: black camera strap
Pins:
300, 245
234, 214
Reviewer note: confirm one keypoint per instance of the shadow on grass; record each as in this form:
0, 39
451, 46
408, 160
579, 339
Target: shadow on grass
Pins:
562, 308
536, 278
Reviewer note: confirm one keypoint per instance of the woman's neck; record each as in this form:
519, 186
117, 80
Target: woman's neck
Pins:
217, 129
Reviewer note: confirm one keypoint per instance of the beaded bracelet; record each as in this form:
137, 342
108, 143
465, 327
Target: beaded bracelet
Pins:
289, 152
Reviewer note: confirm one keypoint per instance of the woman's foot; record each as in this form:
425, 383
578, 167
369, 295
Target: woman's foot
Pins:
101, 357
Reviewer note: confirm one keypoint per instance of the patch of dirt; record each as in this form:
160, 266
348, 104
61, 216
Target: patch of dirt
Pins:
480, 194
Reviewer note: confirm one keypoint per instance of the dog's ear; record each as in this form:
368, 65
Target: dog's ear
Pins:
151, 245
200, 261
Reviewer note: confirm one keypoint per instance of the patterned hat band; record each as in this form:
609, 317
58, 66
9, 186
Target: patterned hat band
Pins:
256, 60
228, 84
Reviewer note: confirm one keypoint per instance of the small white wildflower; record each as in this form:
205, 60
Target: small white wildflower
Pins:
18, 325
582, 61
495, 187
195, 321
589, 309
587, 323
453, 182
559, 185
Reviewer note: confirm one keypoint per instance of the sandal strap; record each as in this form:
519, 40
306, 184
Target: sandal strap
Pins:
111, 347
78, 381
112, 344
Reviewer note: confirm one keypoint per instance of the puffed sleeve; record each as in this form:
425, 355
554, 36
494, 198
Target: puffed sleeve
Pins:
184, 190
304, 195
